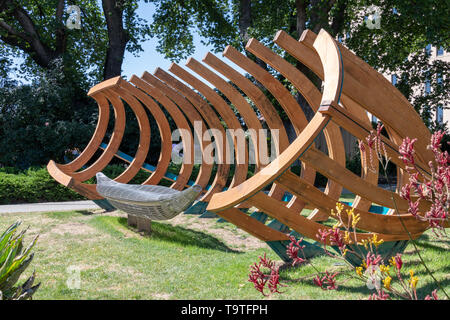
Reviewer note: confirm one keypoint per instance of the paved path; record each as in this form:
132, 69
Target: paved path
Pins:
48, 206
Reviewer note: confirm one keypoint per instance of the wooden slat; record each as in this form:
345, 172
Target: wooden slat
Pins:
388, 224
256, 183
194, 116
360, 130
114, 143
306, 227
388, 104
241, 153
181, 123
355, 184
312, 95
211, 119
97, 138
263, 104
251, 225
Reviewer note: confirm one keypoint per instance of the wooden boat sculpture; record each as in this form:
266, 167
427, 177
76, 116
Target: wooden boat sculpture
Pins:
351, 88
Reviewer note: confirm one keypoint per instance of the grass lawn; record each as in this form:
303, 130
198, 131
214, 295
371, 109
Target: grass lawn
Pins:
185, 258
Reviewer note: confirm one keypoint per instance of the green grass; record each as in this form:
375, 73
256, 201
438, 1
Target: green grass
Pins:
181, 262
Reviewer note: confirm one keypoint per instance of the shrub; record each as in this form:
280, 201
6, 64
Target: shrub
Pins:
32, 185
36, 185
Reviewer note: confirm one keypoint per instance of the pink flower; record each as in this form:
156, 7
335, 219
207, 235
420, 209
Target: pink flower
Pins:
406, 150
433, 296
380, 295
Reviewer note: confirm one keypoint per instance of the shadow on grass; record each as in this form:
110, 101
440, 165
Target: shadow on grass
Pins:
182, 236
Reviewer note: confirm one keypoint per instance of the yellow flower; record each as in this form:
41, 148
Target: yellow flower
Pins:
347, 237
365, 242
339, 207
337, 225
355, 220
364, 264
387, 282
358, 271
384, 269
392, 261
413, 282
350, 212
375, 241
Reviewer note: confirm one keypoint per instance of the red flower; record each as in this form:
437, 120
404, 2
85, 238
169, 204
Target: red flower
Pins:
328, 279
260, 279
292, 250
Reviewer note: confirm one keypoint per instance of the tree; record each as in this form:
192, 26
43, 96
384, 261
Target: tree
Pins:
407, 27
36, 31
44, 118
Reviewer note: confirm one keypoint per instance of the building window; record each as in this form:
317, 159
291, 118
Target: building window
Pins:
439, 114
427, 87
428, 49
394, 79
440, 51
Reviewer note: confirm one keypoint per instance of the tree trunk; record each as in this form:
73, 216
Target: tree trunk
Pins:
118, 38
245, 19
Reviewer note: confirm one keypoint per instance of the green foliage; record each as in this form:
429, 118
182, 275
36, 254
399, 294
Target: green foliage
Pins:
397, 47
32, 185
83, 51
42, 120
36, 185
174, 21
14, 260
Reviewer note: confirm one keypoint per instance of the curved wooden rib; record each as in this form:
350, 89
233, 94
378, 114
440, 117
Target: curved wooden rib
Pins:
250, 190
358, 119
181, 123
96, 140
225, 112
260, 100
283, 96
165, 135
211, 119
193, 116
271, 172
114, 143
245, 110
332, 133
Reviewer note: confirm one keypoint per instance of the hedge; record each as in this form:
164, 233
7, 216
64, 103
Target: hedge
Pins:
36, 185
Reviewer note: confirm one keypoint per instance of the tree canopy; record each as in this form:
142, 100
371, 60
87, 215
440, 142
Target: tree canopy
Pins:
36, 32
